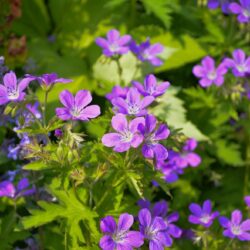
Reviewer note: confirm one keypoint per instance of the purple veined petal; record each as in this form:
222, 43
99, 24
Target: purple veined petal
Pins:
173, 217
122, 147
229, 63
156, 48
174, 231
236, 217
20, 97
239, 56
207, 207
150, 82
244, 236
219, 81
133, 47
111, 139
164, 239
150, 123
125, 222
62, 80
3, 95
144, 217
22, 184
194, 219
23, 84
198, 71
133, 96
10, 80
208, 63
204, 82
123, 246
121, 104
108, 224
158, 224
160, 152
123, 50
146, 101
193, 159
67, 99
156, 61
213, 4
140, 88
136, 140
235, 8
108, 53
160, 209
134, 239
82, 99
245, 226
103, 43
228, 234
147, 151
155, 245
161, 88
224, 221
195, 209
190, 145
119, 123
124, 40
107, 243
242, 18
63, 114
92, 111
221, 69
7, 189
133, 125
162, 132
113, 35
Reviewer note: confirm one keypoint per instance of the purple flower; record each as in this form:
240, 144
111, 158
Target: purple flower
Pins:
151, 147
127, 136
235, 228
247, 200
214, 4
34, 109
58, 133
147, 52
154, 230
133, 104
117, 91
202, 215
119, 236
240, 64
208, 73
187, 157
75, 108
151, 88
11, 90
48, 80
242, 10
114, 44
7, 189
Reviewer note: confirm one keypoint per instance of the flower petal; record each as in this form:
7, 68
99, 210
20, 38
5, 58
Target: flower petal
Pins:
236, 217
113, 35
111, 139
146, 101
144, 217
10, 80
82, 99
195, 209
63, 114
193, 159
125, 222
162, 132
91, 111
150, 123
198, 71
136, 141
224, 221
207, 207
134, 239
67, 99
150, 82
133, 125
102, 42
22, 184
107, 243
245, 225
108, 224
119, 123
160, 209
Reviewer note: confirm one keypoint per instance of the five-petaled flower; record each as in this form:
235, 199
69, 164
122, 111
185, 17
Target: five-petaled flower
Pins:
202, 215
151, 147
133, 104
7, 189
114, 44
240, 65
127, 136
75, 108
11, 90
119, 236
208, 73
213, 4
147, 52
242, 9
151, 88
236, 228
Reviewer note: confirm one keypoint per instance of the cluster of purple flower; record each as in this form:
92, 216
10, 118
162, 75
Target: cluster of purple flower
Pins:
116, 45
234, 228
242, 9
210, 74
178, 161
132, 102
156, 227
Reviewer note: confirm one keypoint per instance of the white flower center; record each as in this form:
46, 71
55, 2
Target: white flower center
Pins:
236, 230
119, 236
205, 218
114, 47
212, 75
150, 233
75, 112
246, 13
127, 136
150, 140
133, 109
241, 68
12, 94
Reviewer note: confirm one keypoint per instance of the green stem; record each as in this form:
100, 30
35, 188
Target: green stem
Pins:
119, 67
229, 244
44, 107
247, 156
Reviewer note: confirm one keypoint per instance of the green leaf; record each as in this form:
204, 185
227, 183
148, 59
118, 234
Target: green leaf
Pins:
171, 109
36, 166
